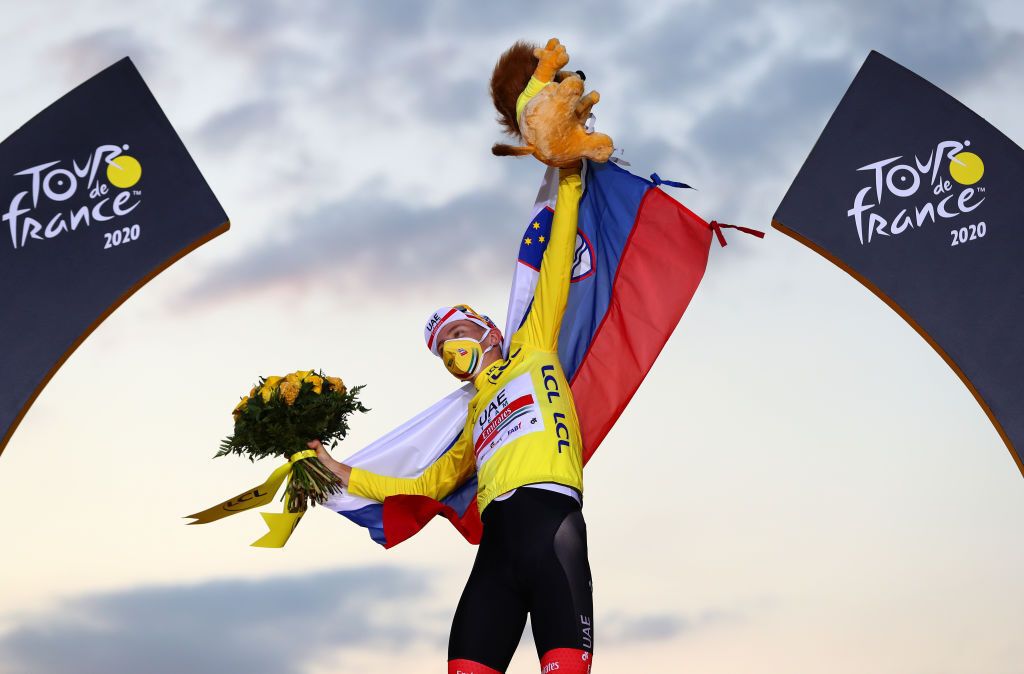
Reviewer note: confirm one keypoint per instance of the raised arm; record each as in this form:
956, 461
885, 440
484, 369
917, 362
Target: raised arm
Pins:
545, 318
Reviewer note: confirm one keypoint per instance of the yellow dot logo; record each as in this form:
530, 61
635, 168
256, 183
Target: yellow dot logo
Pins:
124, 171
966, 168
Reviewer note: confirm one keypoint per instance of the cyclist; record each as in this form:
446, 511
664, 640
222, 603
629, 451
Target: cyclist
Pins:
522, 439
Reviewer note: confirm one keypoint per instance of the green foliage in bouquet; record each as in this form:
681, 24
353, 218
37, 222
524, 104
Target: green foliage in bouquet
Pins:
281, 414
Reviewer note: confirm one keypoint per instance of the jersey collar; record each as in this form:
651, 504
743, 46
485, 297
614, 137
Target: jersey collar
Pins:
481, 378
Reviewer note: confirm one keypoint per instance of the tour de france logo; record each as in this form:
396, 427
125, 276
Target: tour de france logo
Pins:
124, 171
55, 198
901, 194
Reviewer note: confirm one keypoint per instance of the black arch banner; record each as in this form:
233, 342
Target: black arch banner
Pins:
921, 200
98, 195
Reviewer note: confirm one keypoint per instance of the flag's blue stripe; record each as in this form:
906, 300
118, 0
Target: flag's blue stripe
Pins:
460, 499
371, 517
533, 252
607, 212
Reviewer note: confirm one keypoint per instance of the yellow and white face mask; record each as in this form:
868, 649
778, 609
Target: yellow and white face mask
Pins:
464, 356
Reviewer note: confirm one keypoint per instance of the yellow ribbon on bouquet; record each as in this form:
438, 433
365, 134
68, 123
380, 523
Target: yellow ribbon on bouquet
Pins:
281, 525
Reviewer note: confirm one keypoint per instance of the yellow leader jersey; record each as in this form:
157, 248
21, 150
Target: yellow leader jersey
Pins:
521, 427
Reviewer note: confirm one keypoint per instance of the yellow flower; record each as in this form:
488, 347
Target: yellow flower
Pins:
302, 374
289, 391
336, 384
267, 389
252, 393
239, 407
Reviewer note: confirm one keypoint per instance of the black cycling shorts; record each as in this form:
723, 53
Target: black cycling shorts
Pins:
532, 559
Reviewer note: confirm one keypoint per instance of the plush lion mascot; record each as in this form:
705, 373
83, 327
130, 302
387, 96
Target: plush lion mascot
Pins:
545, 107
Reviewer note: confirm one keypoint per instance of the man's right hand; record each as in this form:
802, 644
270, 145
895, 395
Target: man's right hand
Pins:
336, 467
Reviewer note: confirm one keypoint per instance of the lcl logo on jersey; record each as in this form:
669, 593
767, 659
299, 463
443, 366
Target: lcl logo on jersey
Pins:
551, 389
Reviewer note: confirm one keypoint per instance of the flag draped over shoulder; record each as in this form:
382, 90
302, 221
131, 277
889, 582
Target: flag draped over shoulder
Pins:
98, 196
639, 258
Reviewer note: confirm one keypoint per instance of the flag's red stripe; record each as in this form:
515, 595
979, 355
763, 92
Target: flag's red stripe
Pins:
404, 515
661, 265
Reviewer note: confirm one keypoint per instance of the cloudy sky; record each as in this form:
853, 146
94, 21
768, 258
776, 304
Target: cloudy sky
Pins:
801, 484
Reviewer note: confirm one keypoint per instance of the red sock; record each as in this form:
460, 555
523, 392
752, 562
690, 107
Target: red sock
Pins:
469, 667
566, 661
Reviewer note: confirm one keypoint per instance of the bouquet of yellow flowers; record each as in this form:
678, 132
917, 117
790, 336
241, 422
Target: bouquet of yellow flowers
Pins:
278, 417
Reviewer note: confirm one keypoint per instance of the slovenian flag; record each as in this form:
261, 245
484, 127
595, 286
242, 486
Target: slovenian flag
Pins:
639, 258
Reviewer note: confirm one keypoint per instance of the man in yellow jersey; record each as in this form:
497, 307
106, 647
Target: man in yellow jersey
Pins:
522, 439
521, 431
